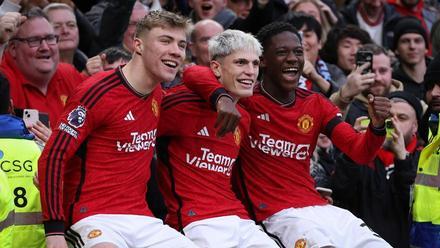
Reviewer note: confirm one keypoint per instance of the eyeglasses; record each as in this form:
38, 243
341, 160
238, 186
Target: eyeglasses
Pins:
36, 41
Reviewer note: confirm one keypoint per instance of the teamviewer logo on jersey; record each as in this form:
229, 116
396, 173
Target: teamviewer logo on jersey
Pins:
203, 132
264, 117
129, 116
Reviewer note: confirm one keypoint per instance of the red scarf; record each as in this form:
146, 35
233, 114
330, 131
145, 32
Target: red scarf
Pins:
387, 157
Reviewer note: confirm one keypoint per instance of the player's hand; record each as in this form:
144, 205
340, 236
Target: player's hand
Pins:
378, 110
398, 141
357, 82
41, 132
9, 24
228, 116
56, 241
95, 64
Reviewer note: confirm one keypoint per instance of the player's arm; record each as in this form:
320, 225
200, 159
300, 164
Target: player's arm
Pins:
74, 126
361, 147
173, 110
202, 81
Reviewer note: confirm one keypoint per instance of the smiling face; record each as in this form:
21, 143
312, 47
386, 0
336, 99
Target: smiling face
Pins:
162, 50
283, 62
35, 61
207, 9
64, 24
237, 72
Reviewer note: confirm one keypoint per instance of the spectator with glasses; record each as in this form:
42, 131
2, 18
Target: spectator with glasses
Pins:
31, 64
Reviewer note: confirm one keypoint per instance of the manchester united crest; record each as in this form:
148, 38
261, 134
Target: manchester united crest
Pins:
237, 136
155, 108
305, 123
94, 233
300, 243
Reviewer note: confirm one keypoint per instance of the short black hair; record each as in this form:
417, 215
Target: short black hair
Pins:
329, 52
299, 20
272, 29
5, 99
113, 54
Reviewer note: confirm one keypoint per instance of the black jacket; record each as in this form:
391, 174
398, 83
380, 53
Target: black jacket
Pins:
378, 196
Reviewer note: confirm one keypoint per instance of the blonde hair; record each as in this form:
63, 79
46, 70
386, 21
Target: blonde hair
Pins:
161, 18
231, 41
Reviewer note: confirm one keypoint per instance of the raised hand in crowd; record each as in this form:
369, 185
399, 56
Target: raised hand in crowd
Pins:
397, 145
357, 82
310, 73
9, 24
95, 64
378, 110
328, 12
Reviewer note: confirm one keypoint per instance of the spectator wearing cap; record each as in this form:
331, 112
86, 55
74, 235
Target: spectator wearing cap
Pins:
410, 44
425, 230
379, 192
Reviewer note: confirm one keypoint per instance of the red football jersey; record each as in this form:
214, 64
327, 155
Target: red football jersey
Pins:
194, 165
113, 129
275, 157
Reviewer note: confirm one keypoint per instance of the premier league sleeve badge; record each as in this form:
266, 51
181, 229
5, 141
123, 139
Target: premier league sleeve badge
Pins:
77, 117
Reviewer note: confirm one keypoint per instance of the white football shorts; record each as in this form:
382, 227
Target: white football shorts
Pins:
320, 226
227, 232
125, 231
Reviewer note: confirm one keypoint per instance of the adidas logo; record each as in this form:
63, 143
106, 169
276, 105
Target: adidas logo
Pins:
203, 132
264, 117
129, 116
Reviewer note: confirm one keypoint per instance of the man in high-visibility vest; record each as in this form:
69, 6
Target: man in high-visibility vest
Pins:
426, 207
6, 212
18, 161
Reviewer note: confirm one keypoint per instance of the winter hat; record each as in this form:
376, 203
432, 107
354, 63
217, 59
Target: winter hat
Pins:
409, 25
411, 100
432, 75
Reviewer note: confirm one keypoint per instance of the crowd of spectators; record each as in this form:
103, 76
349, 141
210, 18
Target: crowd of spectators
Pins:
50, 47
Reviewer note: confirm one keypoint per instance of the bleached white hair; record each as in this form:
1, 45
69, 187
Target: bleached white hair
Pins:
230, 41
